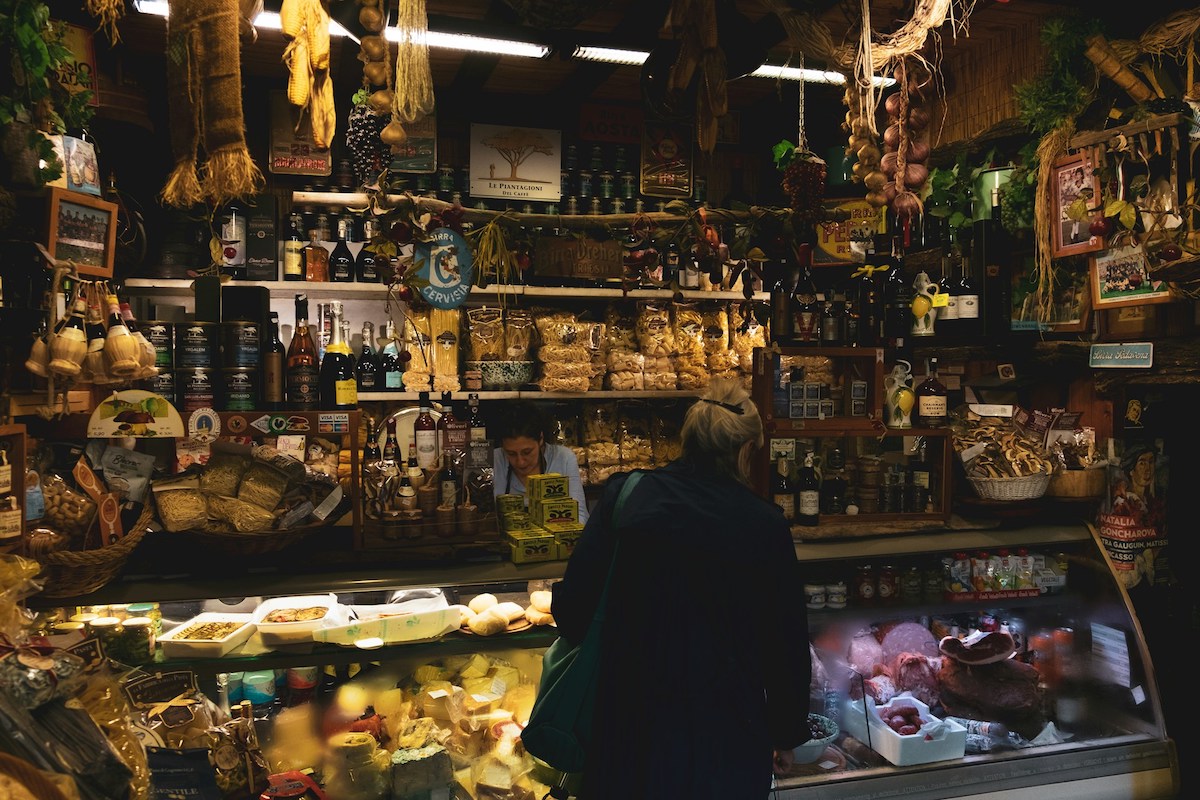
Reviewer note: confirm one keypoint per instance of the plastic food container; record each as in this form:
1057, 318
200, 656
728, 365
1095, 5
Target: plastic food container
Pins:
175, 647
299, 629
946, 740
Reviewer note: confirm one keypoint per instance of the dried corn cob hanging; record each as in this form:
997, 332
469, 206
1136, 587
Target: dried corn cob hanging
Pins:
310, 87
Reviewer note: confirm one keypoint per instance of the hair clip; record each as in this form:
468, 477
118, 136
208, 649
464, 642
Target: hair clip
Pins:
727, 406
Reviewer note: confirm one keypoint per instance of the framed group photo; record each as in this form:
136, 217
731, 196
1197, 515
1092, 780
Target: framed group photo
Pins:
82, 229
1073, 179
1121, 277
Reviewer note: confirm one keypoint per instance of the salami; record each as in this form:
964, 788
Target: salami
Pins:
907, 637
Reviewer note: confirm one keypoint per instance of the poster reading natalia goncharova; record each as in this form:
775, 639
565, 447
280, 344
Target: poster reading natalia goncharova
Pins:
1133, 518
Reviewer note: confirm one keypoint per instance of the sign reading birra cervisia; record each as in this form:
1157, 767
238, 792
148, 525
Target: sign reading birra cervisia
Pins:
445, 261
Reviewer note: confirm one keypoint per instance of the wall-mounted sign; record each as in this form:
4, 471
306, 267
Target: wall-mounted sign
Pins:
580, 258
666, 160
418, 153
608, 123
445, 262
516, 163
841, 241
1137, 355
135, 413
292, 149
78, 73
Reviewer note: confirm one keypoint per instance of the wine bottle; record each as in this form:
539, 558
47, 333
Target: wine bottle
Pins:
316, 258
448, 481
833, 321
786, 276
390, 367
391, 447
68, 345
897, 299
121, 351
367, 369
366, 270
970, 324
341, 260
806, 309
833, 488
808, 494
148, 357
932, 411
94, 366
783, 493
475, 421
416, 475
293, 249
947, 315
338, 385
301, 370
272, 363
425, 433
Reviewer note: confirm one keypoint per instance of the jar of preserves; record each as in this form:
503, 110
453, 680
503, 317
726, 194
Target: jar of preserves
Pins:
888, 585
911, 586
865, 585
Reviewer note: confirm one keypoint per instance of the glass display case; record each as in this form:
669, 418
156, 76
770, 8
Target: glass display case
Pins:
1017, 646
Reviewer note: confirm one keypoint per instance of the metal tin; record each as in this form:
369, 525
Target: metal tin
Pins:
196, 388
197, 344
241, 344
241, 388
162, 336
162, 384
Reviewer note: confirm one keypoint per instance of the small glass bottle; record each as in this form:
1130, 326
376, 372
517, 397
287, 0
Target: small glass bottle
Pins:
316, 258
425, 433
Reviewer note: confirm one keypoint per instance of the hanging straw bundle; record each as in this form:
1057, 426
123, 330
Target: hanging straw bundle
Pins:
204, 93
414, 80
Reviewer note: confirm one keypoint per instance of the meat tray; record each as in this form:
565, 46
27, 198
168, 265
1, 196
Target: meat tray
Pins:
864, 724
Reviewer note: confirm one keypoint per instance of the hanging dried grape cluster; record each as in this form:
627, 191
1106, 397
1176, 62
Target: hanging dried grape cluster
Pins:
804, 181
367, 151
905, 141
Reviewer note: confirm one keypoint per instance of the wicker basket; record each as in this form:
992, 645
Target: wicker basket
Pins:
236, 543
1027, 487
67, 573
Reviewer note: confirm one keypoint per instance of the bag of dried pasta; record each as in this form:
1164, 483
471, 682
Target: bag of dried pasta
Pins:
633, 434
180, 503
688, 330
664, 436
620, 322
445, 326
418, 343
238, 514
557, 328
746, 334
518, 335
485, 335
655, 336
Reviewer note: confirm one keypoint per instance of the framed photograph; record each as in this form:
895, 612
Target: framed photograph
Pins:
1121, 277
1073, 179
1070, 310
82, 229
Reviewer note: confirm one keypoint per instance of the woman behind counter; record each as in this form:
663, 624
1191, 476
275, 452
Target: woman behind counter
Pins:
524, 451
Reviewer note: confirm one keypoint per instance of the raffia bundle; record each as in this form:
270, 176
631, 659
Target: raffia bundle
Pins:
204, 94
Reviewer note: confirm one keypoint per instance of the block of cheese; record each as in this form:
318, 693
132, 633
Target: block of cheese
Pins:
504, 677
428, 673
483, 685
519, 700
495, 775
476, 667
418, 771
481, 703
443, 704
418, 733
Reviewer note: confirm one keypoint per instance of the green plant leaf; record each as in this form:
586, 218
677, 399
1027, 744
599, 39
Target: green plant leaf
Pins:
1128, 216
1078, 210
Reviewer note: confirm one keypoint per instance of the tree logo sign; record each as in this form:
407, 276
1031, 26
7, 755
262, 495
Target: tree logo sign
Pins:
516, 163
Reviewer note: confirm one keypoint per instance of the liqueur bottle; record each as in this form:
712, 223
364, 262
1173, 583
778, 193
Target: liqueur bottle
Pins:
806, 310
316, 258
808, 493
932, 411
366, 269
338, 387
301, 371
341, 260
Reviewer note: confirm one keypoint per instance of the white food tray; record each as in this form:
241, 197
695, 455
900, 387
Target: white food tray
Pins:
275, 633
206, 648
937, 740
413, 627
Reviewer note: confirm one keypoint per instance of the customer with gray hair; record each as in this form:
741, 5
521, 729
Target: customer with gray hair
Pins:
704, 667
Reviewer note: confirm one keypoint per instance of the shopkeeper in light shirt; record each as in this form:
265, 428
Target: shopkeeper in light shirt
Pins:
524, 451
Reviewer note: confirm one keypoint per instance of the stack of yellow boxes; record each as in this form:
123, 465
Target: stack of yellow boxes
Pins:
549, 527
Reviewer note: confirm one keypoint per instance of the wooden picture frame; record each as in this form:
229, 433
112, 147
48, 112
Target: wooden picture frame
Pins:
1073, 306
81, 229
1073, 177
1121, 277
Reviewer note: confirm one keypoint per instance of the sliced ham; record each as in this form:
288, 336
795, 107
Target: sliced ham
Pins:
917, 674
907, 637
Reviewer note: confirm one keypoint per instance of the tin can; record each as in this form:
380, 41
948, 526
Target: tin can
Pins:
240, 388
162, 384
241, 345
196, 344
196, 388
162, 336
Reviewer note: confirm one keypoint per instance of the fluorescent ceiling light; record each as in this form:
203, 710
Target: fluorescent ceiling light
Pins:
610, 55
478, 44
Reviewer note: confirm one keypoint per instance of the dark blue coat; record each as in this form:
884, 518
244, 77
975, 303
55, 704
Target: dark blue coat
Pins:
705, 664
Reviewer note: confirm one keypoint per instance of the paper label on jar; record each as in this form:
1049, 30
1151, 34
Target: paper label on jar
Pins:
10, 524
